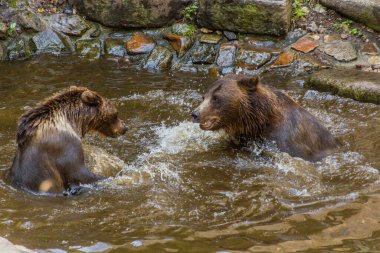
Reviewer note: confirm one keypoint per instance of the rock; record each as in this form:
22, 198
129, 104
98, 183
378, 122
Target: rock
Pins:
247, 16
97, 31
350, 83
203, 53
180, 43
226, 56
344, 36
183, 29
369, 48
48, 42
20, 49
284, 60
210, 38
331, 38
205, 30
230, 35
314, 36
341, 51
131, 13
140, 44
8, 247
364, 11
252, 58
3, 30
305, 45
72, 25
160, 59
88, 48
260, 43
114, 47
292, 37
31, 21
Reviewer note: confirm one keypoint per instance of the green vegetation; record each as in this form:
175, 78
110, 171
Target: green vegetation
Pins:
190, 31
298, 13
12, 28
346, 27
190, 11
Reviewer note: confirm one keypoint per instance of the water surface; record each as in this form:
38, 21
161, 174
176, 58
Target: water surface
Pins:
175, 188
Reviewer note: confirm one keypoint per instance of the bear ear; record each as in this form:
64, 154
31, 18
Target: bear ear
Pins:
90, 98
249, 82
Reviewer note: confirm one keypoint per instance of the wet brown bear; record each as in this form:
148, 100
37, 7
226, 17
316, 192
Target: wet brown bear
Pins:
49, 156
244, 107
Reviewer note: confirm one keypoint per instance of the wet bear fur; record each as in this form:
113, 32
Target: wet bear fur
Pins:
244, 107
49, 156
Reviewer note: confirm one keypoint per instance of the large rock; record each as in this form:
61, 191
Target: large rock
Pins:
72, 25
114, 47
247, 16
355, 84
131, 13
20, 49
252, 58
342, 50
160, 59
48, 42
89, 49
180, 43
365, 11
140, 44
203, 53
226, 56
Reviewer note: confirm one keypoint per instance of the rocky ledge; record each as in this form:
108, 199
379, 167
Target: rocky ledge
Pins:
348, 83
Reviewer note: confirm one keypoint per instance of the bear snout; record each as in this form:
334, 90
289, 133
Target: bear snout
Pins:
195, 115
123, 128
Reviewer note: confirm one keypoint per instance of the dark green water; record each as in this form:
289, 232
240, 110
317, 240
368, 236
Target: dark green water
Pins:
175, 188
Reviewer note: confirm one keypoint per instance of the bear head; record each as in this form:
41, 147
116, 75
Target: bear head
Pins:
105, 119
233, 103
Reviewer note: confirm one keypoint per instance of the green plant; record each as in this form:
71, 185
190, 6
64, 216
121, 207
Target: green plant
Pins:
297, 9
190, 11
190, 31
346, 27
12, 28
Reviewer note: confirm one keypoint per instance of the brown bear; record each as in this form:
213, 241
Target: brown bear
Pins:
49, 156
244, 107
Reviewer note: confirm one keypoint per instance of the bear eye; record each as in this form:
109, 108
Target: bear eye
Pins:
203, 97
215, 98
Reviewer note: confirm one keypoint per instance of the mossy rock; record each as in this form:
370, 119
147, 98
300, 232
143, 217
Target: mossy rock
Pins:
349, 83
131, 13
159, 59
89, 49
20, 49
247, 16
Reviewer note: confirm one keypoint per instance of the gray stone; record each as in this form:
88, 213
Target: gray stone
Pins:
131, 13
230, 35
252, 58
247, 16
114, 47
226, 56
365, 11
89, 49
350, 83
341, 51
31, 21
203, 53
72, 25
160, 59
47, 42
20, 49
210, 38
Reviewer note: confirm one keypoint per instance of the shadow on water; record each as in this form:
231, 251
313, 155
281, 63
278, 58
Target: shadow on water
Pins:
175, 188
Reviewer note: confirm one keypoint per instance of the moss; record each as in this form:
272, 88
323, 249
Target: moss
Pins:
13, 3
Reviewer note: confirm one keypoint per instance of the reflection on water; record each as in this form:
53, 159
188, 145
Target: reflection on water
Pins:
175, 188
